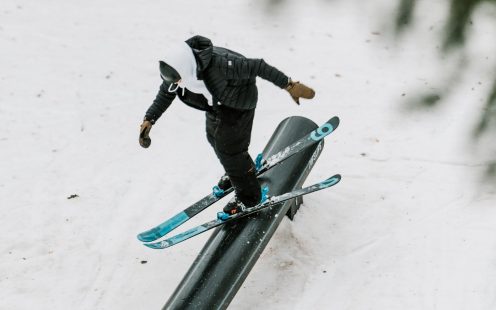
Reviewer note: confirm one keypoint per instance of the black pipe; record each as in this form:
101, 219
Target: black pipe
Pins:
233, 249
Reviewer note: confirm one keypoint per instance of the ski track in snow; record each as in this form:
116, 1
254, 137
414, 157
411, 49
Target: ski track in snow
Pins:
408, 227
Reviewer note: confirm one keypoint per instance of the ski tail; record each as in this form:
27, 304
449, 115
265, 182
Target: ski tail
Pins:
275, 200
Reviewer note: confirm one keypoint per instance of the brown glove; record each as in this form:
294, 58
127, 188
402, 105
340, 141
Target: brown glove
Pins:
144, 139
298, 90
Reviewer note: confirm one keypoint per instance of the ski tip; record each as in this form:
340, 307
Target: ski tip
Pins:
330, 181
336, 177
334, 122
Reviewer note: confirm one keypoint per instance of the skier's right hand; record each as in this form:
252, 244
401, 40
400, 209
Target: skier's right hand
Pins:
144, 139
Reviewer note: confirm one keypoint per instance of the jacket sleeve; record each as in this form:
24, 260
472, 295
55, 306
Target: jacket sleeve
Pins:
160, 104
246, 68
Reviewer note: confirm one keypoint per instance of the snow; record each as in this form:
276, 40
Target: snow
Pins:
410, 226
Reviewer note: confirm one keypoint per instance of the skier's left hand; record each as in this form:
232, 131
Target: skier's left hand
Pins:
298, 90
144, 138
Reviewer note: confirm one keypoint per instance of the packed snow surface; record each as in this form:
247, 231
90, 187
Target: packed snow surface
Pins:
410, 226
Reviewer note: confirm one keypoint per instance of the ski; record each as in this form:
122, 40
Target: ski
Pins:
224, 218
263, 165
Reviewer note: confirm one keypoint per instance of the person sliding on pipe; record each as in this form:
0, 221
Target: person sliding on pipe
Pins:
222, 83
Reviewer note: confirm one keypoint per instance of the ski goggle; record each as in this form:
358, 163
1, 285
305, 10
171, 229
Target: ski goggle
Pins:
170, 76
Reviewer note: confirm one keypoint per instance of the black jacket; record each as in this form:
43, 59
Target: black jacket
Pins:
229, 77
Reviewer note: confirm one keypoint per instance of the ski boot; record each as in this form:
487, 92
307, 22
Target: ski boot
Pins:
224, 182
236, 206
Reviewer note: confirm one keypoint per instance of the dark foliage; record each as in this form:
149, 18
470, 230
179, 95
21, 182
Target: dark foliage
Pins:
455, 37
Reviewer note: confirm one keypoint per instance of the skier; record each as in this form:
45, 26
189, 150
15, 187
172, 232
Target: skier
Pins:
222, 83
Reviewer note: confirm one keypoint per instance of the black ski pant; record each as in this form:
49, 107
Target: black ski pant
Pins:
229, 133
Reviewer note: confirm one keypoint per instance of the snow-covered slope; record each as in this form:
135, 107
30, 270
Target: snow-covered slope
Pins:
409, 227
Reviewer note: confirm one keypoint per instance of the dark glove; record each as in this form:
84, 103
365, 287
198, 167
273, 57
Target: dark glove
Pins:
298, 90
144, 139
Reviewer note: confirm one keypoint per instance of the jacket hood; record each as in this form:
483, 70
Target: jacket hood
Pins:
180, 57
202, 49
